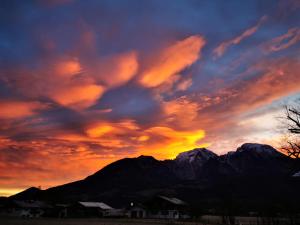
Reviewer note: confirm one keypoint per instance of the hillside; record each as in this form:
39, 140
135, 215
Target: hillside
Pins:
253, 176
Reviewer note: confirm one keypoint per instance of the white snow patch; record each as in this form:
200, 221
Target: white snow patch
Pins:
296, 174
198, 153
100, 205
259, 149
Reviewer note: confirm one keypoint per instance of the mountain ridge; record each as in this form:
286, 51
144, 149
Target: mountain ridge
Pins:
195, 176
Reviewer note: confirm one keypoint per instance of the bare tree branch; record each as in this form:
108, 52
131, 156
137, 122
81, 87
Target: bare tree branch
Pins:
293, 119
293, 116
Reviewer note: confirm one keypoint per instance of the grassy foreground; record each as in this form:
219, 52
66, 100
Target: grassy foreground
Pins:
87, 221
206, 220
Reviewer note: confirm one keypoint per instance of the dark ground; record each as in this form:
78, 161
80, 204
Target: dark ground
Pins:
87, 221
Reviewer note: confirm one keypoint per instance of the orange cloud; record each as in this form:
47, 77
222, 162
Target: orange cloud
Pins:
220, 114
78, 97
83, 91
172, 60
160, 141
221, 49
275, 79
284, 41
143, 138
184, 85
280, 78
19, 109
181, 111
99, 130
116, 70
67, 68
73, 83
74, 160
112, 135
76, 156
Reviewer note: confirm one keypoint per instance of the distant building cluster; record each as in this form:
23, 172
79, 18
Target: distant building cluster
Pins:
159, 207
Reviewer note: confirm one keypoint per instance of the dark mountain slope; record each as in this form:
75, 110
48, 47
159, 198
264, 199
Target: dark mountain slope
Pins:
253, 174
258, 160
31, 193
119, 181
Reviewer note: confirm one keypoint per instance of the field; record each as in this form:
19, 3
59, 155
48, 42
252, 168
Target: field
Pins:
48, 221
206, 220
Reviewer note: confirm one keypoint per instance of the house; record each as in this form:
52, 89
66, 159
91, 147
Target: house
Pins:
88, 209
162, 207
27, 209
137, 210
116, 213
60, 210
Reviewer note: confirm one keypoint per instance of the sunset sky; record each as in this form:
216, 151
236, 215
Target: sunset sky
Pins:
84, 83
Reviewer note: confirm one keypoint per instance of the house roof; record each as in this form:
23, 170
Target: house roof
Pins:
174, 201
100, 205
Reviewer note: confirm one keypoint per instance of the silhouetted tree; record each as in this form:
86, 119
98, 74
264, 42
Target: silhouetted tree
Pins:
293, 116
292, 148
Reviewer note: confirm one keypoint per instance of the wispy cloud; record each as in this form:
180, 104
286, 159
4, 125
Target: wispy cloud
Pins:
222, 48
284, 41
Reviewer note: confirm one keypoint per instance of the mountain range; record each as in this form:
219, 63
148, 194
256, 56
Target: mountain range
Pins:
253, 176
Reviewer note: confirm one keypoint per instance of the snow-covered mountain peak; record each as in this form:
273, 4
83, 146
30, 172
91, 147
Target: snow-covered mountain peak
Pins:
258, 149
201, 154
